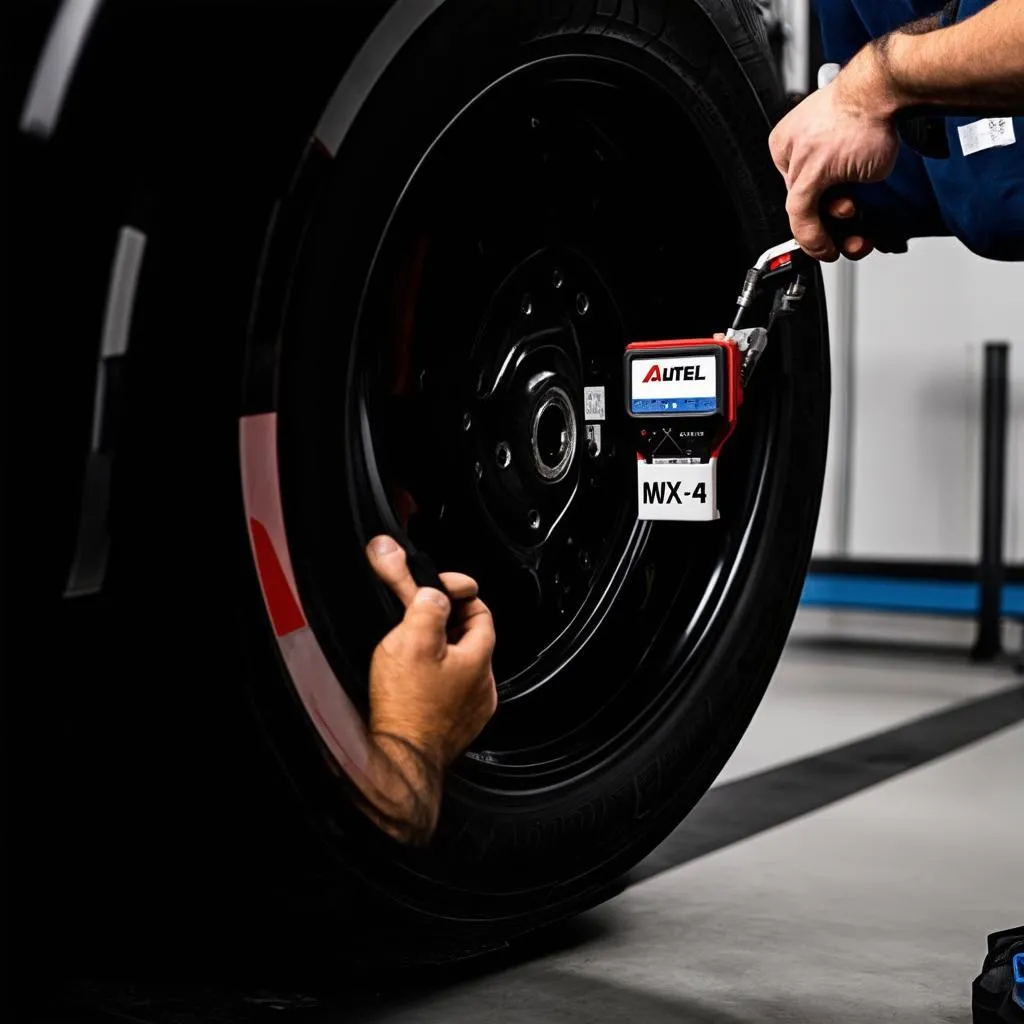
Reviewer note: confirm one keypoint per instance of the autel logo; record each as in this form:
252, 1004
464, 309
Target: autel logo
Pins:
658, 373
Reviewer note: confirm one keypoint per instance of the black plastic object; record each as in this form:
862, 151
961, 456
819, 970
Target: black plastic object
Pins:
996, 992
924, 132
923, 128
861, 223
379, 517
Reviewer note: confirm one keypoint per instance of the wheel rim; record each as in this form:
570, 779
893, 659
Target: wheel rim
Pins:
546, 292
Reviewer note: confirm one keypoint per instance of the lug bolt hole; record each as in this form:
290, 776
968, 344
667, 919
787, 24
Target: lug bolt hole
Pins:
556, 278
582, 303
526, 305
467, 421
503, 455
533, 519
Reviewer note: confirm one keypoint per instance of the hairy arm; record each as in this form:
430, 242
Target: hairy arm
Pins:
976, 64
845, 133
402, 789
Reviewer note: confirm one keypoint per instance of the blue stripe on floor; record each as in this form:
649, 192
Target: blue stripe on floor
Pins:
947, 597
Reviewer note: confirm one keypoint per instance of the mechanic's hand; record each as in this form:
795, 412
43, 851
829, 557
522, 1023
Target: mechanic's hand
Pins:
842, 133
431, 693
854, 247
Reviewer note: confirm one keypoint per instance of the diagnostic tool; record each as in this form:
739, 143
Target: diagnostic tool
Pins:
683, 397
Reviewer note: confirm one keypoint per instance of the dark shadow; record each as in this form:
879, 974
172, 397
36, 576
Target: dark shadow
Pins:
564, 995
740, 809
727, 814
253, 998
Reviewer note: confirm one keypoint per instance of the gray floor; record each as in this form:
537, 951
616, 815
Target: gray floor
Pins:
871, 908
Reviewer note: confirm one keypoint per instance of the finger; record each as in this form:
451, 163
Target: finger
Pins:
856, 248
779, 146
424, 624
460, 587
388, 561
469, 609
478, 637
808, 230
842, 208
719, 336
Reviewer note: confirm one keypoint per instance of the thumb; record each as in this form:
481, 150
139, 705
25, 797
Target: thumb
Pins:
425, 624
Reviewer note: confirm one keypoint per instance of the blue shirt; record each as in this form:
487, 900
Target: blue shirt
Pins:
977, 197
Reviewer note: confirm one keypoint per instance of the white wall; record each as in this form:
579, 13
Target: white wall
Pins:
920, 320
796, 16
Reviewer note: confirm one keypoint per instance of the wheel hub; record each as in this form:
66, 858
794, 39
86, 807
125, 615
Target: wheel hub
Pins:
553, 435
528, 363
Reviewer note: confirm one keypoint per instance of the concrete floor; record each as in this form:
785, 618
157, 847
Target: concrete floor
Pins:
871, 907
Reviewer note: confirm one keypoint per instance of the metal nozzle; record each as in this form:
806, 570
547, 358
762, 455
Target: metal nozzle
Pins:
751, 342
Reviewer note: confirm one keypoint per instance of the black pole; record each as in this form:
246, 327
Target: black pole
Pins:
987, 642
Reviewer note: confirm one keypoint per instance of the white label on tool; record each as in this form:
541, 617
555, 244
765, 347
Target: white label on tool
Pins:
673, 384
593, 403
677, 491
594, 437
986, 134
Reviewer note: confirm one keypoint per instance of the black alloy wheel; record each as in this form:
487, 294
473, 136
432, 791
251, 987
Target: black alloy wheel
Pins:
457, 288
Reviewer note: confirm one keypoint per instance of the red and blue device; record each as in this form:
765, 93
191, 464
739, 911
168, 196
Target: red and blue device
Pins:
683, 397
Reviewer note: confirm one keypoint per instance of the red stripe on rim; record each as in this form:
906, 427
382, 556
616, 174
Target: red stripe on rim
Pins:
282, 605
329, 709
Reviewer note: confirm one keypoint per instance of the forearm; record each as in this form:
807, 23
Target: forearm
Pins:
976, 64
402, 789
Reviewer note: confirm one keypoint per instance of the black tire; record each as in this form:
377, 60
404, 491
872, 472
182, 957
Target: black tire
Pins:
258, 801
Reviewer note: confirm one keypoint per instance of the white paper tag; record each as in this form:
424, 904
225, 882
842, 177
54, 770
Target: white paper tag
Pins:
593, 403
986, 134
677, 491
594, 437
